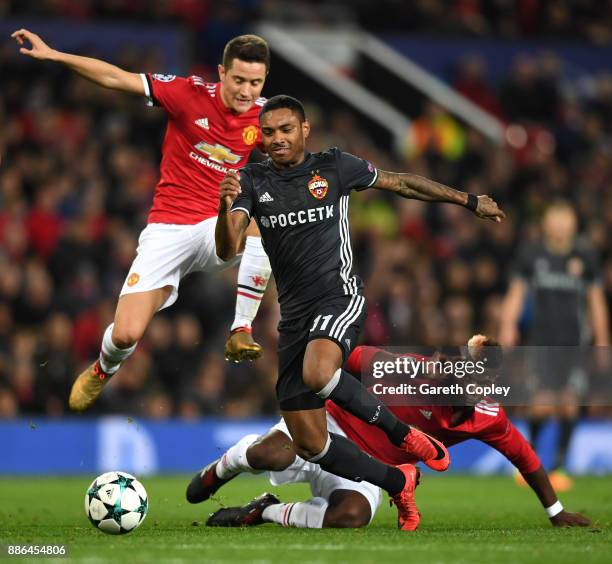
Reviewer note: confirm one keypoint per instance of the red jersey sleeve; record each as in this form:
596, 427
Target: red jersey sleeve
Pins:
171, 92
358, 357
507, 439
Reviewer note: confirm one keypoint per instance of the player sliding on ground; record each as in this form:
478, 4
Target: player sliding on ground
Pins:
300, 202
338, 502
212, 129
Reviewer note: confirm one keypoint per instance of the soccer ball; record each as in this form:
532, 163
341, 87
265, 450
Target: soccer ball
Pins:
116, 503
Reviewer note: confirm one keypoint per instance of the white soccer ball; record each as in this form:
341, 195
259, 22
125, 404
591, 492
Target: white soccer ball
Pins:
116, 503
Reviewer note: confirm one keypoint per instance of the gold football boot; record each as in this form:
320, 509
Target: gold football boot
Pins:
87, 387
241, 346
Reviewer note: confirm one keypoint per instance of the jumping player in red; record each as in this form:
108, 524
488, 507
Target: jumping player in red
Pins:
338, 502
212, 129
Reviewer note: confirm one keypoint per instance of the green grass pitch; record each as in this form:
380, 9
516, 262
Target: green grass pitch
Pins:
464, 519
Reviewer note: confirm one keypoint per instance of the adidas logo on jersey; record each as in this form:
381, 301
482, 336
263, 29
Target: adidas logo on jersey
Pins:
202, 122
426, 413
265, 197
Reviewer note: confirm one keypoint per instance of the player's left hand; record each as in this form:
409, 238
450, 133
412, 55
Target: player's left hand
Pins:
567, 519
487, 209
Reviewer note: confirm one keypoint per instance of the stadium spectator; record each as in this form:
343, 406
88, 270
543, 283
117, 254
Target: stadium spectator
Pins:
470, 81
562, 279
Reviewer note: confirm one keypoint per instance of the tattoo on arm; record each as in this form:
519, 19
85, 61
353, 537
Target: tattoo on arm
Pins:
418, 188
241, 222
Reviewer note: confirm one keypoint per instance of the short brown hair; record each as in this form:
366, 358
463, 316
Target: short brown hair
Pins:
249, 48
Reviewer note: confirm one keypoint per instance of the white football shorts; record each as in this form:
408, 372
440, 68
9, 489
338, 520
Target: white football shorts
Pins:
322, 483
166, 253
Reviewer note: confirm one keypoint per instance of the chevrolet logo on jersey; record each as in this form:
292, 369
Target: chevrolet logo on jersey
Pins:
218, 153
295, 218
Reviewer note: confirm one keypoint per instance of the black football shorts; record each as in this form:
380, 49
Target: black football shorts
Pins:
339, 319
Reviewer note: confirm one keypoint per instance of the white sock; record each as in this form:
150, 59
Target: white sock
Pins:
253, 276
112, 356
234, 461
305, 514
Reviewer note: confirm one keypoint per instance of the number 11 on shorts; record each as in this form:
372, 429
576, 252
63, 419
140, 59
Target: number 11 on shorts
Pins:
325, 319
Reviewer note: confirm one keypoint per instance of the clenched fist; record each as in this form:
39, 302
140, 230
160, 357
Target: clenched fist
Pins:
487, 209
229, 188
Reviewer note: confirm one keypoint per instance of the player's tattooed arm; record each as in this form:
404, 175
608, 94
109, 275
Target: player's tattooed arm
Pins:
99, 72
417, 187
230, 226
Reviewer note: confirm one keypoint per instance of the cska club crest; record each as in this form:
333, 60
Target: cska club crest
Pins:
318, 187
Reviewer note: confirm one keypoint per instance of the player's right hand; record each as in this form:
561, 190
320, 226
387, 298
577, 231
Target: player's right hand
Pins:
229, 188
40, 50
567, 519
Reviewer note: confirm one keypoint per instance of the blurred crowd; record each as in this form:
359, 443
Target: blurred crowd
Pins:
78, 168
590, 20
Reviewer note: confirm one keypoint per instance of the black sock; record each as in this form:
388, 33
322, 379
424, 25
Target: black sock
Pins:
351, 395
566, 429
345, 459
535, 426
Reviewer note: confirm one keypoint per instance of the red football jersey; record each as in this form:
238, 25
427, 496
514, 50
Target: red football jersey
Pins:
204, 139
488, 423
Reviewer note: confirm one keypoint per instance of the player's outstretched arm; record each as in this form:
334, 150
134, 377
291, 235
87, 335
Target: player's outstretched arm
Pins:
419, 188
230, 225
540, 484
99, 72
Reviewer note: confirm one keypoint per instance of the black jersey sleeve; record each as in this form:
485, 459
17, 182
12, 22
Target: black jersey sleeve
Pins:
355, 173
244, 200
592, 271
523, 265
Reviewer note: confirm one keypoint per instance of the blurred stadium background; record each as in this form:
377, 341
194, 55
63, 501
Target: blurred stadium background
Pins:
507, 98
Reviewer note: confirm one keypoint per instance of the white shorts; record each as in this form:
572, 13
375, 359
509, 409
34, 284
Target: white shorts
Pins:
322, 483
166, 253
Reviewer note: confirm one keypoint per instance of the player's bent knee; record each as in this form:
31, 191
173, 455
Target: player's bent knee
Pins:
307, 449
316, 375
257, 456
127, 334
261, 457
306, 453
272, 451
